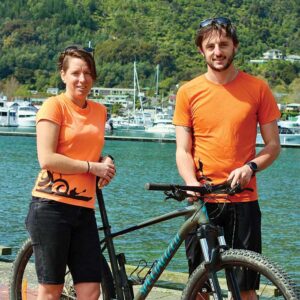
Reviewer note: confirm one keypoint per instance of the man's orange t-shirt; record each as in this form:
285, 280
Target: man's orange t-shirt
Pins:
81, 137
224, 119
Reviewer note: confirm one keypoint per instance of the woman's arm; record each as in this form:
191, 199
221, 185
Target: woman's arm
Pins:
47, 140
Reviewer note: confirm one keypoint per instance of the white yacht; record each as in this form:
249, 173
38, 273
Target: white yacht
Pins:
293, 123
287, 137
8, 115
26, 114
162, 124
137, 121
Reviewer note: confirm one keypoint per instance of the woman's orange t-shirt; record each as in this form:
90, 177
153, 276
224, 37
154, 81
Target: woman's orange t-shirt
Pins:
224, 119
81, 137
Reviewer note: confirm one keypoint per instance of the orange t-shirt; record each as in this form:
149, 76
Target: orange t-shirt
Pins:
224, 119
81, 137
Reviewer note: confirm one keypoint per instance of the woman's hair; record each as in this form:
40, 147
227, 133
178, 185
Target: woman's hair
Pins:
79, 52
205, 31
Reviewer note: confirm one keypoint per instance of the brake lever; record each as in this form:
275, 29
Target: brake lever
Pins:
238, 189
176, 194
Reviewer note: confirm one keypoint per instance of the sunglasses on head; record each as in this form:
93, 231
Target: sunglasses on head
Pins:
74, 47
219, 21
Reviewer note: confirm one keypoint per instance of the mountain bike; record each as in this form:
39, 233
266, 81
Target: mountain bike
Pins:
216, 275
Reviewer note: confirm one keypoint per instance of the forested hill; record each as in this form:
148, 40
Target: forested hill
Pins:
33, 32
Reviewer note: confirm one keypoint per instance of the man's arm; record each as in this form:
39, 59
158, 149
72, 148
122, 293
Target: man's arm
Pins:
271, 150
184, 157
263, 159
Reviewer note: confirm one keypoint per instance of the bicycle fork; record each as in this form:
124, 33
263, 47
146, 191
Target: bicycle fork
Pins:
208, 232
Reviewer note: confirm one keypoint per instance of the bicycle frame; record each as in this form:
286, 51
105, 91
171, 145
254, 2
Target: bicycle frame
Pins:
196, 214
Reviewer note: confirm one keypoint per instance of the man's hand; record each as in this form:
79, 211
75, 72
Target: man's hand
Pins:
240, 176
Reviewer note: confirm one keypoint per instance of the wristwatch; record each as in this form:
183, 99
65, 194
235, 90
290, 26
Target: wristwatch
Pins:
253, 166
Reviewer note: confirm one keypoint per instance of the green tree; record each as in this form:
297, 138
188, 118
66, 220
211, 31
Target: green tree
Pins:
294, 91
11, 85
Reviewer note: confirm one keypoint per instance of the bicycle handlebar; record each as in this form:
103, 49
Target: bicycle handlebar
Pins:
222, 188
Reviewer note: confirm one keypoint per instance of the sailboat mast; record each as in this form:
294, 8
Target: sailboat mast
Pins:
134, 86
157, 80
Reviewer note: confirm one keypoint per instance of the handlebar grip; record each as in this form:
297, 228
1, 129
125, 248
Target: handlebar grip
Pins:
158, 187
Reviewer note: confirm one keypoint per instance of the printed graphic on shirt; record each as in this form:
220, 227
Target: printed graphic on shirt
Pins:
59, 187
201, 177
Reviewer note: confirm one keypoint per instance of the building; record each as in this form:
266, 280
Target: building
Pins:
293, 58
113, 95
273, 54
293, 107
52, 91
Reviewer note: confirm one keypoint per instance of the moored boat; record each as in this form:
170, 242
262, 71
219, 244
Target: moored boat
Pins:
8, 117
287, 137
162, 124
26, 115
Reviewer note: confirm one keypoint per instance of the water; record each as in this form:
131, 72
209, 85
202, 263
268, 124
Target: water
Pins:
128, 203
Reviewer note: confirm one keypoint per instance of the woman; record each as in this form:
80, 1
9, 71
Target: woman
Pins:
61, 220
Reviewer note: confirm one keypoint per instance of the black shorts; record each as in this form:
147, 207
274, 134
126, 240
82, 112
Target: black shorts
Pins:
242, 230
64, 235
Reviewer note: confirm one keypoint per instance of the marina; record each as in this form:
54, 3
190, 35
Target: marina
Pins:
140, 135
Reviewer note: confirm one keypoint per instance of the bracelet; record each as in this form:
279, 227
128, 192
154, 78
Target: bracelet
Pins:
88, 164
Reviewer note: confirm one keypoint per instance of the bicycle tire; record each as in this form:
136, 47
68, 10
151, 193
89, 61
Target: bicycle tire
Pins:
23, 263
275, 283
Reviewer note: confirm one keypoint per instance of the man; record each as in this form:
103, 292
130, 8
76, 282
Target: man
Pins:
216, 117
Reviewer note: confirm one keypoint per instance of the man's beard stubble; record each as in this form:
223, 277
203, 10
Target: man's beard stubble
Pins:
230, 60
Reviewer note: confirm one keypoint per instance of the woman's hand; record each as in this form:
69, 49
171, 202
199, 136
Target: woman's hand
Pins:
105, 170
194, 195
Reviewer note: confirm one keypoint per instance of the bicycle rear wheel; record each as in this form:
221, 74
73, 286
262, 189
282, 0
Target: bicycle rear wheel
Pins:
274, 282
24, 284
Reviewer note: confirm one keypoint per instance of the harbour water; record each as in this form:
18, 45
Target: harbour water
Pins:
128, 203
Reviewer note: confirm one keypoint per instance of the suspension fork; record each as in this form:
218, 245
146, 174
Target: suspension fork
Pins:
211, 254
204, 233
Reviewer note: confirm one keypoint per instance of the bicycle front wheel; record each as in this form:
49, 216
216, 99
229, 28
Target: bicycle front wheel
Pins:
274, 282
24, 284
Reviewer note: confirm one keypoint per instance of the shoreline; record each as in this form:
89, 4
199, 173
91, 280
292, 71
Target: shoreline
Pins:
130, 138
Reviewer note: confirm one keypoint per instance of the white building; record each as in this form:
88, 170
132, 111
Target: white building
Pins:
273, 54
293, 58
113, 95
52, 91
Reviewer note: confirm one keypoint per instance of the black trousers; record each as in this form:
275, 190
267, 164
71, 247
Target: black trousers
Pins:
242, 230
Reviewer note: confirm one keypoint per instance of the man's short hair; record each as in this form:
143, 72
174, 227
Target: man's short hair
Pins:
219, 25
